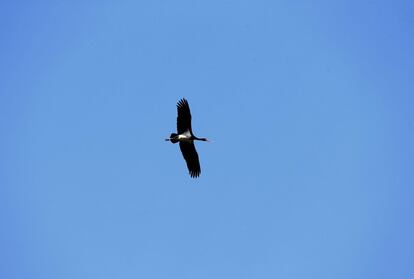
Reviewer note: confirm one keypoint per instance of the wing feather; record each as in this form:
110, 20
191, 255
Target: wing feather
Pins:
184, 116
191, 157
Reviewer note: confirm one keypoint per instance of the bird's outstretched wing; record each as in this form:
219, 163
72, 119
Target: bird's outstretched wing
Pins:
191, 157
184, 116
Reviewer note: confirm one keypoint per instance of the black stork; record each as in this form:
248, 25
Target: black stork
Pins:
186, 138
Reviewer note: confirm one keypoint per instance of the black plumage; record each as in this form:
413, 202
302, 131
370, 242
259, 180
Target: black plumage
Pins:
183, 116
186, 138
191, 158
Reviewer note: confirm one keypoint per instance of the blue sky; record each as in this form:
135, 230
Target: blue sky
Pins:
309, 105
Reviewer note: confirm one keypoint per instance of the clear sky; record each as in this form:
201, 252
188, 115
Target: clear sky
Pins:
309, 105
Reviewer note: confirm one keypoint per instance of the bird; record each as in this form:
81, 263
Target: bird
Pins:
186, 138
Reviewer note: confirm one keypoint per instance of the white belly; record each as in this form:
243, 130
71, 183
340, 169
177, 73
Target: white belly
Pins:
185, 136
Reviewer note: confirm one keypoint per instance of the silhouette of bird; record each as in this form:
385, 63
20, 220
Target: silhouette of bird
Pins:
186, 138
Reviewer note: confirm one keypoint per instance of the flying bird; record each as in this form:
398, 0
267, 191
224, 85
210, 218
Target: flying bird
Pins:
186, 138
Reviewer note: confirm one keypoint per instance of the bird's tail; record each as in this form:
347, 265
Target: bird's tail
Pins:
173, 138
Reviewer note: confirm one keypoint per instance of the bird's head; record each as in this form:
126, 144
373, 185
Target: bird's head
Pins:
205, 139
